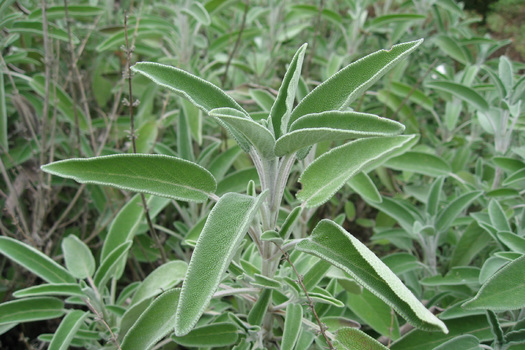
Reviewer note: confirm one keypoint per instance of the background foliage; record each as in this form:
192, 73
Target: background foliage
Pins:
447, 217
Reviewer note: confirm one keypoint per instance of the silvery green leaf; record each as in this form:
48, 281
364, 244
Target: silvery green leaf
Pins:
328, 173
156, 174
226, 226
79, 260
332, 243
292, 326
332, 126
346, 85
67, 329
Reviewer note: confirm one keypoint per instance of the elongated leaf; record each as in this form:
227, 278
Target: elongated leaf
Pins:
115, 41
162, 278
434, 196
333, 244
418, 162
462, 342
291, 219
263, 98
382, 21
354, 339
220, 165
346, 85
67, 330
3, 116
258, 136
416, 96
515, 177
56, 12
498, 217
417, 339
201, 93
160, 175
35, 261
461, 91
403, 215
30, 309
503, 291
198, 11
452, 48
375, 312
292, 326
257, 312
154, 323
365, 187
79, 260
453, 209
66, 289
283, 105
213, 335
36, 27
226, 225
512, 240
332, 126
110, 265
328, 173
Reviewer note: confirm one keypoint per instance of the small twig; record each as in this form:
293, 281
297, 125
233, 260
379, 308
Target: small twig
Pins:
129, 51
322, 327
237, 43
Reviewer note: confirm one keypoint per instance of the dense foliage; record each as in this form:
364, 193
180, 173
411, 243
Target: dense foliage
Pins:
261, 174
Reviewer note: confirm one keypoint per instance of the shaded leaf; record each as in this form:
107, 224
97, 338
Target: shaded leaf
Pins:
30, 309
213, 335
447, 215
67, 330
160, 279
463, 92
418, 162
292, 326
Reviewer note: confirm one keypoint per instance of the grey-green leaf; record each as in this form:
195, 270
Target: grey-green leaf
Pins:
503, 291
283, 105
346, 85
365, 187
65, 289
35, 261
160, 175
109, 266
226, 225
354, 339
292, 326
200, 92
79, 260
328, 173
31, 309
67, 330
212, 335
332, 126
154, 323
461, 91
332, 243
162, 278
447, 215
258, 136
419, 162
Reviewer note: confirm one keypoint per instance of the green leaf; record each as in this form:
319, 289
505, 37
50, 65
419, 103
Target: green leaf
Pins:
434, 195
463, 92
213, 335
66, 289
363, 185
162, 278
220, 165
460, 275
414, 95
63, 102
498, 217
35, 261
462, 342
315, 274
393, 208
385, 20
115, 41
238, 181
503, 291
59, 12
354, 339
160, 175
332, 126
515, 177
257, 312
328, 173
79, 260
333, 244
418, 339
258, 136
154, 323
225, 228
198, 91
447, 215
512, 240
505, 73
36, 27
198, 11
374, 312
345, 86
292, 326
110, 265
30, 309
67, 330
289, 222
451, 48
263, 98
3, 116
418, 162
283, 105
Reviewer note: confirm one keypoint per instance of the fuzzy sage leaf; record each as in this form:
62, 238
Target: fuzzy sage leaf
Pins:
328, 173
160, 175
347, 84
332, 243
225, 228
